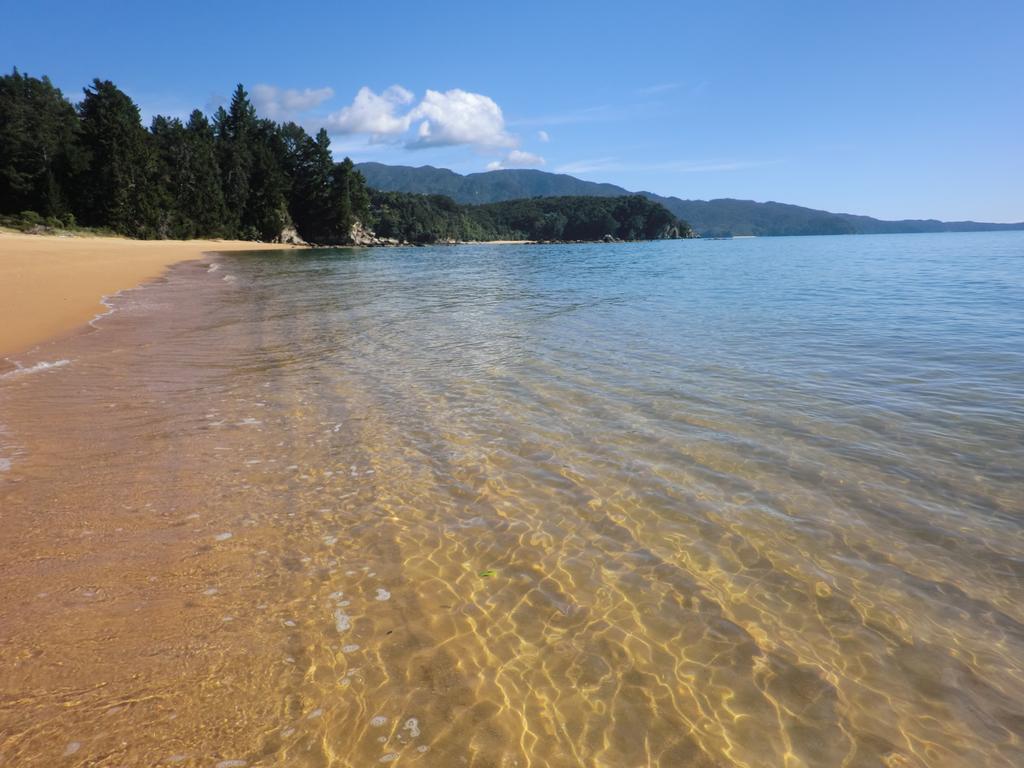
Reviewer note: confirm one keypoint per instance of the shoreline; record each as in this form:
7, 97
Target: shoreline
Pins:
51, 285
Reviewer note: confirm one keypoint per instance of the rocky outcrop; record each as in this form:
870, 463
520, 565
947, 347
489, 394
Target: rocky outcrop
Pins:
362, 235
290, 236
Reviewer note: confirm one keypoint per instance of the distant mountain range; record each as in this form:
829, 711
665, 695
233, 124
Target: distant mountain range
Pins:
710, 218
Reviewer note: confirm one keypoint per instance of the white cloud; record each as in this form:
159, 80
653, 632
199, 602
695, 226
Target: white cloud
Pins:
516, 159
451, 118
373, 113
544, 136
459, 117
285, 104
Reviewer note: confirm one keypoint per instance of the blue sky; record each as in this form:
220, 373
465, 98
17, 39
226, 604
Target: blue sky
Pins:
893, 109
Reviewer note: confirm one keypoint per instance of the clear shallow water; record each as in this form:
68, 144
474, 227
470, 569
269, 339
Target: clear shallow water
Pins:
751, 502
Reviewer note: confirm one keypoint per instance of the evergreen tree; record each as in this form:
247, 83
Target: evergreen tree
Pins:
353, 196
266, 210
203, 202
235, 130
40, 150
313, 205
169, 158
118, 189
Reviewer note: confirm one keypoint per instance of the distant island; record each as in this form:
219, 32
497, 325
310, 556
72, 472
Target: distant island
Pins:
708, 218
237, 176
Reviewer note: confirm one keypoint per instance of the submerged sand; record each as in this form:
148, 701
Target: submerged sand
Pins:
50, 285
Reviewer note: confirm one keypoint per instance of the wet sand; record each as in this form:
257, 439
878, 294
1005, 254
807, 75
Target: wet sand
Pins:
51, 285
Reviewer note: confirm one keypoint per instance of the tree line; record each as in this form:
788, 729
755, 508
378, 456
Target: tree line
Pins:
415, 218
94, 164
236, 175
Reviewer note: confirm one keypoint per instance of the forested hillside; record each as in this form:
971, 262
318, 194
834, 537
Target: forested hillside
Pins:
417, 218
708, 218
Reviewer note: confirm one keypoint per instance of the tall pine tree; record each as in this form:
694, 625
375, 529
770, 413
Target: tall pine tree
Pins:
118, 190
204, 203
236, 135
40, 148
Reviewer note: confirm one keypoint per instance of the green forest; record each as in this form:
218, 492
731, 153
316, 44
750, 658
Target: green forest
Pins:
236, 175
430, 218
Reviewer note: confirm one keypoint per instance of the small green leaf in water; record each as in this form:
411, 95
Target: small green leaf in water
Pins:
486, 574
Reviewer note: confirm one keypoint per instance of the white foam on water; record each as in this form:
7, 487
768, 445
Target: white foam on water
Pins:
390, 757
412, 725
223, 536
213, 267
231, 764
287, 732
72, 747
315, 713
5, 465
106, 302
21, 370
351, 648
379, 721
382, 594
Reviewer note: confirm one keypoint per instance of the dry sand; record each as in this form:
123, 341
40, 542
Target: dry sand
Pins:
51, 285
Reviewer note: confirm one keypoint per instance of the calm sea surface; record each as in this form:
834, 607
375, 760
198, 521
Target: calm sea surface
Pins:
740, 503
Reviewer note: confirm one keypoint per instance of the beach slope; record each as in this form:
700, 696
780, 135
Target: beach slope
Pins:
50, 285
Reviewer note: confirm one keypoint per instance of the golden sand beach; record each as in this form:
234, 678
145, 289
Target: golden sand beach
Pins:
50, 285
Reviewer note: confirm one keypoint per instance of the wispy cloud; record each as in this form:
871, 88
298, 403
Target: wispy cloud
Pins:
602, 113
516, 159
682, 166
287, 103
651, 90
587, 166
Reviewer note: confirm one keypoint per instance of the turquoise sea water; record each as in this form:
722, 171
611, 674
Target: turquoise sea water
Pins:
755, 502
